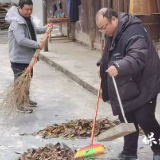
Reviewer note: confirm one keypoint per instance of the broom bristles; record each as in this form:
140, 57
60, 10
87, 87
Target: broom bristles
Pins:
16, 94
90, 152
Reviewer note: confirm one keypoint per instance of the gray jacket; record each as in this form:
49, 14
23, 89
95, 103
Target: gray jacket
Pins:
21, 45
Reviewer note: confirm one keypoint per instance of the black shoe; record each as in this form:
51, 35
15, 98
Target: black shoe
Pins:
24, 110
32, 104
156, 156
124, 156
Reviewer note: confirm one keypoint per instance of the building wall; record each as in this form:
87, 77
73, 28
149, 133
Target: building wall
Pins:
37, 7
82, 27
5, 1
38, 12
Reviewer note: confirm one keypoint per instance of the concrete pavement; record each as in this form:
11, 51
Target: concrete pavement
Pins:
3, 36
78, 63
56, 94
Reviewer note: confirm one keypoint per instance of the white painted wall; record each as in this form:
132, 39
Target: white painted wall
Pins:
5, 1
37, 12
37, 9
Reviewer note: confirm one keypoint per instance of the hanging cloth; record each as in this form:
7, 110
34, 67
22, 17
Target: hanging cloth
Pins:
54, 9
74, 10
60, 5
68, 6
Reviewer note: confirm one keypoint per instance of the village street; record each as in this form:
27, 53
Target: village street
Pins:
65, 78
59, 100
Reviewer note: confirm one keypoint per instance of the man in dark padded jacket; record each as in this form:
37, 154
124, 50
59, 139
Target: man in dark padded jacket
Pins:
131, 58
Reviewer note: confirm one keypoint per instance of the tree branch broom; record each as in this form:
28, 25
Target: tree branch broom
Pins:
93, 149
17, 93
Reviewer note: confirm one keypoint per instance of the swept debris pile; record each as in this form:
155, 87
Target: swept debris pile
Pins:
76, 129
79, 129
49, 152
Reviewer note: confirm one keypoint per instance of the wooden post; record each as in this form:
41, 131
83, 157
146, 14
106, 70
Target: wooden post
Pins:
126, 6
72, 26
118, 5
92, 23
107, 3
60, 28
44, 3
158, 5
68, 30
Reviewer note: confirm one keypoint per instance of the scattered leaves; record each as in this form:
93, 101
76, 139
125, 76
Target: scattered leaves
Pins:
49, 152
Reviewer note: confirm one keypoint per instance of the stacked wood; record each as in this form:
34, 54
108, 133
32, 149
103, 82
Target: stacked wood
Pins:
3, 11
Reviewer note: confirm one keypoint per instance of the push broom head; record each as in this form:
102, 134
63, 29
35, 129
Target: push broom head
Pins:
90, 151
121, 130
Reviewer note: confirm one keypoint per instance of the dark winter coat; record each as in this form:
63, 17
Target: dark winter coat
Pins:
74, 10
131, 51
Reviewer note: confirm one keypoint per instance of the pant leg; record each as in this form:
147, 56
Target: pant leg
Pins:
131, 140
18, 69
145, 117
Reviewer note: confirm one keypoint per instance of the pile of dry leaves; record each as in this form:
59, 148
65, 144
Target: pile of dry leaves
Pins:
49, 152
79, 129
76, 129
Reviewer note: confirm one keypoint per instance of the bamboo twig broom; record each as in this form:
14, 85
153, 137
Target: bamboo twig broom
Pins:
17, 93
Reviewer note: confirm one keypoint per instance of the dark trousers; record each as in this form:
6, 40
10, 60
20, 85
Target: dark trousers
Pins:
145, 118
18, 69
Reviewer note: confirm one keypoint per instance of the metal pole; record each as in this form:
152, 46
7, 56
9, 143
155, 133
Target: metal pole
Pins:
119, 100
44, 3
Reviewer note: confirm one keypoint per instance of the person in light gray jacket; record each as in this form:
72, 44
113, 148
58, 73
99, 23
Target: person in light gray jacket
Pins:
22, 40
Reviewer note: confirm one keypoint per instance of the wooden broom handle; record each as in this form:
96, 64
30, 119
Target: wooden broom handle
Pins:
37, 52
95, 115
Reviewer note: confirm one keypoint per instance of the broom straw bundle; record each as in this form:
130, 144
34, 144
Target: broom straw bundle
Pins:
16, 93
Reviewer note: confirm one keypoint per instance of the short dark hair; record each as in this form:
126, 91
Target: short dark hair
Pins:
109, 14
23, 2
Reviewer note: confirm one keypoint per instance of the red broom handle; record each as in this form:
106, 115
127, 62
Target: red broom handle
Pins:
95, 115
